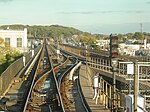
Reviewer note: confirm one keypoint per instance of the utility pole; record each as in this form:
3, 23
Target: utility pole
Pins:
141, 27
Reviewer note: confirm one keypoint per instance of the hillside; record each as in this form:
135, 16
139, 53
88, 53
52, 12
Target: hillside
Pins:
46, 31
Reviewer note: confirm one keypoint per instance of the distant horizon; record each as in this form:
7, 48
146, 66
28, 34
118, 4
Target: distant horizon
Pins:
92, 30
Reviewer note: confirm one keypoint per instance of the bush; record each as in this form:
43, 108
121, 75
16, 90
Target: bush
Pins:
8, 57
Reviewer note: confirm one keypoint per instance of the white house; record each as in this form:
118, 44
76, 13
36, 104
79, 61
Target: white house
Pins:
104, 44
15, 38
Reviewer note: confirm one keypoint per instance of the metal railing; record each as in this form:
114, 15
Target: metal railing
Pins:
7, 77
101, 62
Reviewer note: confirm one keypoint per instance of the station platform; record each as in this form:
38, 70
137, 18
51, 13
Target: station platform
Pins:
88, 92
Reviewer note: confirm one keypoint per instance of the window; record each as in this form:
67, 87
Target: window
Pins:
7, 40
19, 42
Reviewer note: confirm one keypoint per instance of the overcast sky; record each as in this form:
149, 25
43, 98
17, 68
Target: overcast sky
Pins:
95, 16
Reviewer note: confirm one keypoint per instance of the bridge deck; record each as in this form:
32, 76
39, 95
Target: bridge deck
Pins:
88, 92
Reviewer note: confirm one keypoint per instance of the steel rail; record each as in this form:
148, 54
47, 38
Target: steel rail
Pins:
56, 83
46, 73
65, 73
85, 105
32, 83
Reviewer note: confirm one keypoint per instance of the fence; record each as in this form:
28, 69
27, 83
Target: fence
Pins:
126, 85
8, 75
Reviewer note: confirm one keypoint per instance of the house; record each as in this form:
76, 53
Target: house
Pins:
15, 38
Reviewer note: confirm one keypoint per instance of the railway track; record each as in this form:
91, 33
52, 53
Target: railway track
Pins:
105, 54
71, 92
72, 96
48, 101
21, 96
44, 94
15, 97
46, 86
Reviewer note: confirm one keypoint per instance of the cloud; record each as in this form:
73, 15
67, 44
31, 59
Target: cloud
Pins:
88, 12
136, 11
5, 1
102, 12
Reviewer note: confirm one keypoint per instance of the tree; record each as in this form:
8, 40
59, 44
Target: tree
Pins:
129, 35
16, 55
121, 37
1, 41
8, 57
138, 35
52, 31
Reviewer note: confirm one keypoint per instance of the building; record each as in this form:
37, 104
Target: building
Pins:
14, 38
103, 43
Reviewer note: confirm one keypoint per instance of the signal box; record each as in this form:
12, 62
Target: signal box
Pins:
113, 47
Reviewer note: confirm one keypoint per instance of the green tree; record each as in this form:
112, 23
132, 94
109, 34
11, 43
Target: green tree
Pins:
16, 55
129, 35
52, 31
8, 57
121, 37
138, 35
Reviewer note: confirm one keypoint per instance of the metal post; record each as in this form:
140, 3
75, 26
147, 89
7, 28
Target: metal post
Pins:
135, 86
114, 70
114, 89
129, 83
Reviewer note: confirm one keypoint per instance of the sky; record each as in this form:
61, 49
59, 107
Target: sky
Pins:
94, 16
